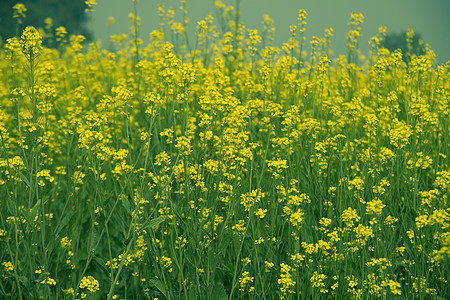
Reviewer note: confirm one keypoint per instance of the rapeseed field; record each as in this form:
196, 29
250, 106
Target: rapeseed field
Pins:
221, 167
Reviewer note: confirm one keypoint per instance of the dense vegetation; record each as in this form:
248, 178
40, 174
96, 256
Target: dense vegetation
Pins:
222, 169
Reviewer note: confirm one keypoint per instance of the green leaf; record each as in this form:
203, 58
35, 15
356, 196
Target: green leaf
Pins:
94, 238
66, 272
93, 296
219, 292
65, 220
50, 246
211, 259
159, 286
41, 277
34, 210
12, 205
32, 213
128, 240
153, 223
25, 281
99, 262
224, 244
126, 204
24, 179
193, 293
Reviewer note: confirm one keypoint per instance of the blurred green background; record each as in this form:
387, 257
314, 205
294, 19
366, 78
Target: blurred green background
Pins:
430, 19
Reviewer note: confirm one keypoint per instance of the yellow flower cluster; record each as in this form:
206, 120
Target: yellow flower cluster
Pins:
32, 41
19, 10
89, 283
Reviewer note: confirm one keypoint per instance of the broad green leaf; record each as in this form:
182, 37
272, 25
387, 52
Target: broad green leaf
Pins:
153, 222
94, 238
219, 292
65, 220
126, 204
24, 179
101, 264
160, 286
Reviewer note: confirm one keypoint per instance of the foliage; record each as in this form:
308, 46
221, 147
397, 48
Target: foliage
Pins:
67, 13
406, 41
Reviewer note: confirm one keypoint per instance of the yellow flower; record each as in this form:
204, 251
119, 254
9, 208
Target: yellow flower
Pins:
441, 217
374, 207
32, 41
248, 199
268, 266
394, 287
349, 216
111, 20
324, 222
421, 221
19, 11
65, 242
166, 263
296, 218
244, 280
286, 282
317, 281
277, 166
61, 32
239, 228
399, 133
261, 213
8, 266
90, 5
357, 184
89, 283
302, 17
49, 281
259, 241
182, 143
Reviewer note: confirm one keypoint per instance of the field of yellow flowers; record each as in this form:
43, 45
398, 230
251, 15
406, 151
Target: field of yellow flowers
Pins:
226, 168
